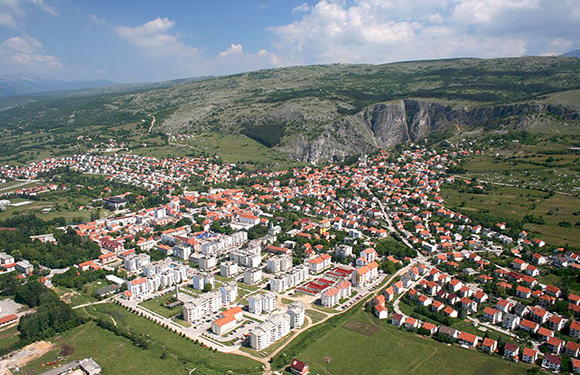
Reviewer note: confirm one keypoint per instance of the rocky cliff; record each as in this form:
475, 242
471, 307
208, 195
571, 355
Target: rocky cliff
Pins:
387, 124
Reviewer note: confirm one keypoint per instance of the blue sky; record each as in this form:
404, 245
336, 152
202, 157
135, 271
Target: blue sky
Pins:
151, 40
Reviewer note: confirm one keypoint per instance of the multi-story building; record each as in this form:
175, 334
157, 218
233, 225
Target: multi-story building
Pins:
366, 274
138, 287
252, 276
227, 321
136, 262
200, 280
343, 251
229, 292
202, 306
320, 263
246, 258
182, 252
228, 269
332, 295
296, 310
279, 263
274, 328
262, 302
207, 262
291, 278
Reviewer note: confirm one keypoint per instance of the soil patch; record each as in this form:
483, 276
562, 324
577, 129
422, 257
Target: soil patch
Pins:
362, 328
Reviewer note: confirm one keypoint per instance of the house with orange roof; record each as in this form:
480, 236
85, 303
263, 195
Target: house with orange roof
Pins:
489, 345
319, 263
365, 274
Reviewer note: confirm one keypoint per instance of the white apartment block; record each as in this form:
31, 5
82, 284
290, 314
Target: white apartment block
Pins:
6, 259
320, 263
136, 262
202, 306
296, 311
279, 263
274, 328
343, 251
200, 280
182, 252
252, 276
228, 269
169, 277
229, 293
265, 302
224, 243
207, 262
291, 278
332, 295
246, 258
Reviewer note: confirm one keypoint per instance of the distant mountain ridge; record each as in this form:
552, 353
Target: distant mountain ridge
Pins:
22, 84
326, 112
574, 53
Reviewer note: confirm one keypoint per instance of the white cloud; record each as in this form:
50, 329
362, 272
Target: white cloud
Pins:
234, 50
159, 40
302, 8
377, 31
13, 12
7, 20
155, 38
97, 20
24, 54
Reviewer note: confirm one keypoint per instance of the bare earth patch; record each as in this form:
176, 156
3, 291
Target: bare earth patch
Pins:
23, 356
362, 328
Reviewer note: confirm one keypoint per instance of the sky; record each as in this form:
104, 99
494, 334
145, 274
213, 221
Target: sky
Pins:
155, 40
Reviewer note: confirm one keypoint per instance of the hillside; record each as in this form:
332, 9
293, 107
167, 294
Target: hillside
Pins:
574, 53
329, 112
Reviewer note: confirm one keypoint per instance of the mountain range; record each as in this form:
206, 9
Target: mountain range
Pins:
328, 112
21, 84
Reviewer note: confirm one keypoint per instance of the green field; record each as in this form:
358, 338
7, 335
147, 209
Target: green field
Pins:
8, 336
514, 203
371, 346
167, 353
155, 305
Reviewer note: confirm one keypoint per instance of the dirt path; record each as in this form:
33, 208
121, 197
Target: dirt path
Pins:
23, 356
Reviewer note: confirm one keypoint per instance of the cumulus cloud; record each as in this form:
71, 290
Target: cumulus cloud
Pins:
155, 37
376, 31
24, 54
159, 40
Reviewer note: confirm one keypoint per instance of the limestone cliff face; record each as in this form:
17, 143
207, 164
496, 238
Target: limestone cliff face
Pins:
387, 124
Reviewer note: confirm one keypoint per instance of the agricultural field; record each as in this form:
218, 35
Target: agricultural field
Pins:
530, 160
362, 344
506, 202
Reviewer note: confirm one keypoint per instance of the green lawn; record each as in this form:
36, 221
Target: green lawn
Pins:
337, 350
315, 315
8, 337
155, 305
188, 354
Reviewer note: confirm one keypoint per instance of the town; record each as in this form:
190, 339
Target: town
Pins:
261, 255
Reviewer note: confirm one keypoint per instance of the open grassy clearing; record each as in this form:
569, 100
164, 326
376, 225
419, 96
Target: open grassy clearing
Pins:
188, 354
340, 350
8, 337
157, 305
514, 203
315, 315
